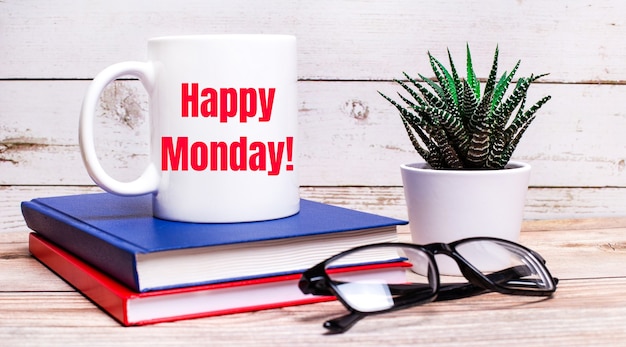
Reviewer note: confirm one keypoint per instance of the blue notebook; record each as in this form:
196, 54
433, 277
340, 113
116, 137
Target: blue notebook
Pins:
119, 236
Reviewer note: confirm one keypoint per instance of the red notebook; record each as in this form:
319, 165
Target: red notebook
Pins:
133, 308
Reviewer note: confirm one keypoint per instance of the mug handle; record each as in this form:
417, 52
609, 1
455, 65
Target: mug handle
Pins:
148, 182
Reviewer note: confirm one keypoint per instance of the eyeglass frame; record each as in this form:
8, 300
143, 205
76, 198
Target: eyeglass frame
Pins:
316, 280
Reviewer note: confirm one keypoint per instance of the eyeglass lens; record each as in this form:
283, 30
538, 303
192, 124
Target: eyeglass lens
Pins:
414, 279
411, 281
525, 270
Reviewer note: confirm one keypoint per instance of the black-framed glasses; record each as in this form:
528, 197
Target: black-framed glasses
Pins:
411, 275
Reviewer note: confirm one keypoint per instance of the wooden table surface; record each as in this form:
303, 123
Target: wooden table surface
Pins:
588, 309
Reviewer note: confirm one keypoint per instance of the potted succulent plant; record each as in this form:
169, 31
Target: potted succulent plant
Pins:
466, 134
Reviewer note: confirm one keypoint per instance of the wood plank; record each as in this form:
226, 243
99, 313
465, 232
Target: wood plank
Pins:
570, 204
573, 203
541, 203
355, 40
580, 254
349, 135
582, 313
558, 210
11, 197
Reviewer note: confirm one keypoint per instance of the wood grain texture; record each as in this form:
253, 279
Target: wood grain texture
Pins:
542, 203
579, 41
576, 316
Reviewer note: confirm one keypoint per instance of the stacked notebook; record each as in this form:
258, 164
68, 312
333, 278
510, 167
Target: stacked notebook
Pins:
144, 270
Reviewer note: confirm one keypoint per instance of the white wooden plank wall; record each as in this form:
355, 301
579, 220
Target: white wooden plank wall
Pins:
348, 50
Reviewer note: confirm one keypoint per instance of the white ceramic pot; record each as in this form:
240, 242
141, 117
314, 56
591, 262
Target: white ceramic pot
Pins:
448, 205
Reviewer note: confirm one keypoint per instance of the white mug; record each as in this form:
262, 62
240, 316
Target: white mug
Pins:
223, 113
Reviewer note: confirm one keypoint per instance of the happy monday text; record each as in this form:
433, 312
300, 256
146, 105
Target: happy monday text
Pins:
224, 105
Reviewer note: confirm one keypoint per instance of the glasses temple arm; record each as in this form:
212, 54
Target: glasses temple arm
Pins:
344, 323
